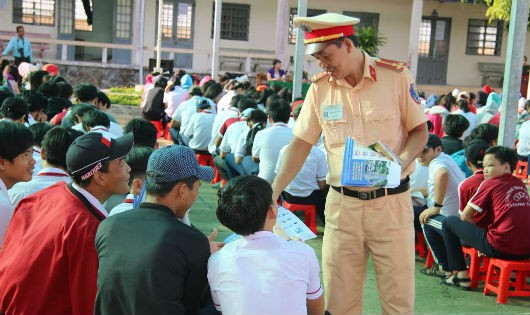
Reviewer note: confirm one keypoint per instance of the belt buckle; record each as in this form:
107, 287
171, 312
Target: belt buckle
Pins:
363, 195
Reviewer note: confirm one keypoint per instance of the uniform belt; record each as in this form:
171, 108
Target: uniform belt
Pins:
369, 195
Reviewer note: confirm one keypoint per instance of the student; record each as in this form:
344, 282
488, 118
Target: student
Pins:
150, 262
137, 161
55, 144
14, 109
38, 130
465, 111
506, 198
98, 121
273, 276
58, 226
37, 104
181, 117
475, 151
16, 165
442, 200
454, 127
199, 129
144, 132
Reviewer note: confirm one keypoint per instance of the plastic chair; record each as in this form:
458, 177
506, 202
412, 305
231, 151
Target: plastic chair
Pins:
478, 266
498, 279
429, 261
310, 214
158, 125
521, 169
419, 248
204, 159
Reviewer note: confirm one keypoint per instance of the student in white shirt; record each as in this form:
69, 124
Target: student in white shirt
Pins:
98, 121
273, 276
14, 109
269, 141
180, 119
199, 130
174, 95
220, 119
38, 130
54, 147
16, 165
36, 105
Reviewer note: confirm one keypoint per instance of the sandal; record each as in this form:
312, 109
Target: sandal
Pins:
434, 271
459, 283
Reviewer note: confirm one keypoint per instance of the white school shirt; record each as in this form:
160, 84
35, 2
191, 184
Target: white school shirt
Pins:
200, 130
173, 99
264, 274
523, 146
44, 179
6, 211
185, 110
451, 203
91, 199
267, 145
38, 160
225, 101
315, 169
229, 142
218, 122
114, 130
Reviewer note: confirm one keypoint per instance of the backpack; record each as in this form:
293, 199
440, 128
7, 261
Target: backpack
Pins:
154, 104
249, 141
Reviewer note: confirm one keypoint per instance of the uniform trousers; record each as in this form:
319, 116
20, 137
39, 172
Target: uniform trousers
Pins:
355, 229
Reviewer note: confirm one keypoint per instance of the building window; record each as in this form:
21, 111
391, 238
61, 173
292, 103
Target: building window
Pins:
123, 19
425, 38
366, 19
37, 12
484, 38
81, 18
184, 16
167, 20
292, 14
234, 21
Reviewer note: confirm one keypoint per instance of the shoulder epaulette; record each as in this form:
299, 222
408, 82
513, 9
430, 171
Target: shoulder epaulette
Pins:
317, 77
392, 64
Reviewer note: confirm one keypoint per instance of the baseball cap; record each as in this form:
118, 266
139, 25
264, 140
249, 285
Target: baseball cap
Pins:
475, 151
203, 103
433, 142
320, 29
87, 153
51, 68
174, 163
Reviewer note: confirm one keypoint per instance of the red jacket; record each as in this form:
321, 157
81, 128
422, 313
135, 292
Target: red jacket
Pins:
48, 262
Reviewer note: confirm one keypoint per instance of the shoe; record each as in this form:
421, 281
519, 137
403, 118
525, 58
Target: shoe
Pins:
459, 283
435, 271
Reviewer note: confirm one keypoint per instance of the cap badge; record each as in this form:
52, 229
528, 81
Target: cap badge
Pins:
305, 27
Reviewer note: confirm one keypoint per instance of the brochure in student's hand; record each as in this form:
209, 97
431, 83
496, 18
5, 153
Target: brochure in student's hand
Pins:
288, 226
365, 167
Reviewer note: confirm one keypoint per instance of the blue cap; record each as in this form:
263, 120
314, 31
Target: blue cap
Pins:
174, 163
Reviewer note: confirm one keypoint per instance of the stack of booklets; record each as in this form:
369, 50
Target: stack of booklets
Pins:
372, 166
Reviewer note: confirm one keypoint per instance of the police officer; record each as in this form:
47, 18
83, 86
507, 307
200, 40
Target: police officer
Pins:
369, 100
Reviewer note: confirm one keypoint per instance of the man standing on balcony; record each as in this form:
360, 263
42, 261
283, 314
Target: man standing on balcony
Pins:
20, 47
369, 100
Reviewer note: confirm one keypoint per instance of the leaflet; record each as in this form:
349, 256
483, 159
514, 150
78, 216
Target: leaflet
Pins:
364, 167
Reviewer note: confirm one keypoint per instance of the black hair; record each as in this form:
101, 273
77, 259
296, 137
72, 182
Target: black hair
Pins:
144, 132
264, 95
195, 91
5, 93
80, 110
38, 130
19, 27
430, 125
279, 111
482, 98
49, 89
55, 144
137, 160
65, 90
472, 96
455, 125
14, 108
95, 118
272, 98
447, 101
206, 85
463, 104
243, 204
161, 82
257, 116
36, 101
14, 139
162, 189
235, 100
213, 90
486, 132
58, 79
103, 98
246, 103
504, 155
85, 92
286, 94
275, 61
36, 78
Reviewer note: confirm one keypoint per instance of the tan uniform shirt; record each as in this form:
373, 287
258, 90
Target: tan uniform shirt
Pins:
383, 106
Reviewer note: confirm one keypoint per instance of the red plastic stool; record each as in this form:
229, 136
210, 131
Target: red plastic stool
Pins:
204, 159
167, 134
310, 214
498, 279
429, 261
158, 125
419, 248
521, 169
478, 266
217, 177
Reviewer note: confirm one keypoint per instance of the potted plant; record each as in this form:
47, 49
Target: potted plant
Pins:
370, 40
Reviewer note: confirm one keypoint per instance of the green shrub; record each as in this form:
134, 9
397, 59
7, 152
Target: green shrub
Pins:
124, 99
124, 90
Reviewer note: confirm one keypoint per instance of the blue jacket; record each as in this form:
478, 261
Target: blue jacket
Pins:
15, 44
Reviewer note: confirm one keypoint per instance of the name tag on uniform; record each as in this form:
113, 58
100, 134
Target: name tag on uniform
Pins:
333, 112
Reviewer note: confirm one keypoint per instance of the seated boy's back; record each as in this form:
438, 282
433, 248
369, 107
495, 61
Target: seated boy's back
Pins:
264, 274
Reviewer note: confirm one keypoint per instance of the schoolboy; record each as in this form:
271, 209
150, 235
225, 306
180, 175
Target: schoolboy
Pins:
292, 282
506, 197
16, 165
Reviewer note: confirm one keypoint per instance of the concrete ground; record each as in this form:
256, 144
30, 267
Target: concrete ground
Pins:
431, 296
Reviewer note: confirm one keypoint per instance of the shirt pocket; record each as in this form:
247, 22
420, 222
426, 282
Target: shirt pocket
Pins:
335, 132
384, 121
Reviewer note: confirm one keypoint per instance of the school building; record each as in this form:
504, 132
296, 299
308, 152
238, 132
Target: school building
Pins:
457, 44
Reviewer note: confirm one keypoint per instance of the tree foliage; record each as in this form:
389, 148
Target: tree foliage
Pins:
370, 40
499, 10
